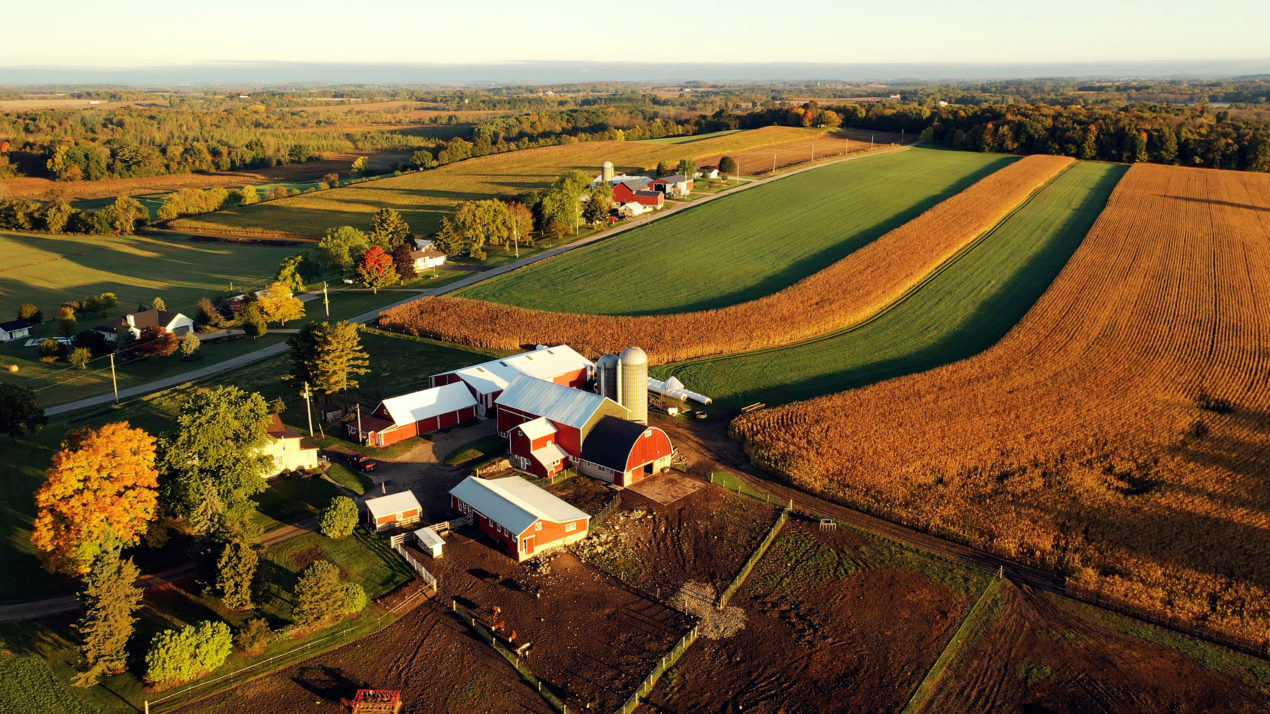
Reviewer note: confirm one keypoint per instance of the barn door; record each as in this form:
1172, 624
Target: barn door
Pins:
529, 545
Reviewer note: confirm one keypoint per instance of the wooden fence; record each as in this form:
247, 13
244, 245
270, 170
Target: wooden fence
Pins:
488, 637
739, 580
658, 670
410, 559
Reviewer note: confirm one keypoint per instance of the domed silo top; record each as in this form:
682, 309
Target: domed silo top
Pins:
632, 356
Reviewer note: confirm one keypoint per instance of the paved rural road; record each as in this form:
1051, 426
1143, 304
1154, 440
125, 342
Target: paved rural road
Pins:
37, 609
277, 349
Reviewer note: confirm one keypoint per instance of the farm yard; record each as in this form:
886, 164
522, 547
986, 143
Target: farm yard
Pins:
834, 621
845, 292
740, 247
424, 197
1119, 432
962, 309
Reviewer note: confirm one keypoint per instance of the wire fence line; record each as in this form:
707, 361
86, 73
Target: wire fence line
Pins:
487, 635
189, 690
659, 669
757, 555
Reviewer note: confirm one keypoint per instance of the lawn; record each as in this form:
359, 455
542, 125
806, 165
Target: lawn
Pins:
746, 245
424, 197
961, 310
398, 364
481, 448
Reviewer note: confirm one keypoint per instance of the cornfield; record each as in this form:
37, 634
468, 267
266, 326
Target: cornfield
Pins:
1120, 433
841, 295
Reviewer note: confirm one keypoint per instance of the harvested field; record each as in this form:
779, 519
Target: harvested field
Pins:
740, 247
1120, 433
424, 197
1044, 653
964, 308
838, 296
705, 536
834, 621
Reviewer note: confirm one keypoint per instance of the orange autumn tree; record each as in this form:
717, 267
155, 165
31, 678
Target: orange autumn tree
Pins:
101, 492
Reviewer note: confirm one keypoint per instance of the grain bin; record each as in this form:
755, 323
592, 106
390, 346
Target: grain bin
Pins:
606, 371
633, 383
606, 172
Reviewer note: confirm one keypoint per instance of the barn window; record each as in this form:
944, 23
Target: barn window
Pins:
538, 526
570, 527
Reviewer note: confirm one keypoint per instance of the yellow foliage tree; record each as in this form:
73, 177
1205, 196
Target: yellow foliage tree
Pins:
101, 492
278, 304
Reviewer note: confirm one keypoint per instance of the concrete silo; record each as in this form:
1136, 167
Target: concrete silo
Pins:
606, 371
606, 171
633, 383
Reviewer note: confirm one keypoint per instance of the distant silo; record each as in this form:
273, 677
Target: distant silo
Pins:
633, 383
606, 171
606, 371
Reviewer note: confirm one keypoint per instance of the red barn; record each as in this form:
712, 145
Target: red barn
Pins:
624, 452
676, 185
631, 192
533, 448
571, 412
522, 518
400, 418
559, 364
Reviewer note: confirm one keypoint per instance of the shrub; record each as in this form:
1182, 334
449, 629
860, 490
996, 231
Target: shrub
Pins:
190, 345
355, 599
253, 637
51, 350
30, 312
183, 655
339, 518
254, 323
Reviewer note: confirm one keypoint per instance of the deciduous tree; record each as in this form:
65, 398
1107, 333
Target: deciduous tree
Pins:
339, 518
328, 356
155, 341
278, 304
253, 320
110, 600
100, 494
19, 413
727, 166
403, 261
30, 312
376, 270
125, 213
183, 655
80, 357
213, 461
599, 204
343, 247
190, 345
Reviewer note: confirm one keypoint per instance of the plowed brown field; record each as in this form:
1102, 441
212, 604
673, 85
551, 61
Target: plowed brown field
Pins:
1120, 433
842, 294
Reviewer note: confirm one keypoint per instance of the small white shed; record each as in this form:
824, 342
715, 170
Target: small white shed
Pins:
430, 542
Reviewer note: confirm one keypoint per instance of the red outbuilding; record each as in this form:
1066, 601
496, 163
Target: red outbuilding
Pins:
522, 518
533, 448
428, 410
631, 192
624, 452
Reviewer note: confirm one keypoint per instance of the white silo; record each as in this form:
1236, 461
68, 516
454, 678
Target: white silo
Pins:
606, 371
633, 383
606, 172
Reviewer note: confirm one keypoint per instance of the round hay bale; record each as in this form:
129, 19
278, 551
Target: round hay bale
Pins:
13, 368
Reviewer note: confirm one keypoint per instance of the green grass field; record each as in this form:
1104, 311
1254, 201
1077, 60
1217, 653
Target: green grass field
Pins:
961, 310
424, 197
747, 245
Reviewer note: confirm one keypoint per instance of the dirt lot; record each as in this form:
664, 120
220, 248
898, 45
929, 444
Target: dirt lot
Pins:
835, 621
1045, 654
428, 654
593, 639
704, 537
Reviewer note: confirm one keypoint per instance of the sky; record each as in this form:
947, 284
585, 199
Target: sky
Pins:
108, 33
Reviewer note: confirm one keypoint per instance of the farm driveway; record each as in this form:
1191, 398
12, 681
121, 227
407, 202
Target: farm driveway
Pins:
365, 317
422, 469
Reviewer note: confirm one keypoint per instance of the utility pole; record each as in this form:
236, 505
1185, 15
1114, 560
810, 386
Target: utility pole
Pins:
901, 137
870, 142
113, 380
308, 409
773, 162
359, 422
326, 303
515, 238
813, 151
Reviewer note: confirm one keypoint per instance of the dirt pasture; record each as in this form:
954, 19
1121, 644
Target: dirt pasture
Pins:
593, 640
705, 536
834, 621
1048, 654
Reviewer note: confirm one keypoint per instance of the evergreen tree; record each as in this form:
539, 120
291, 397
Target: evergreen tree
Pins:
328, 356
253, 319
388, 229
319, 594
236, 569
110, 598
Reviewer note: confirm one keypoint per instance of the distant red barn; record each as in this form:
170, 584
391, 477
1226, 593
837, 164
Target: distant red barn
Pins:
630, 192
